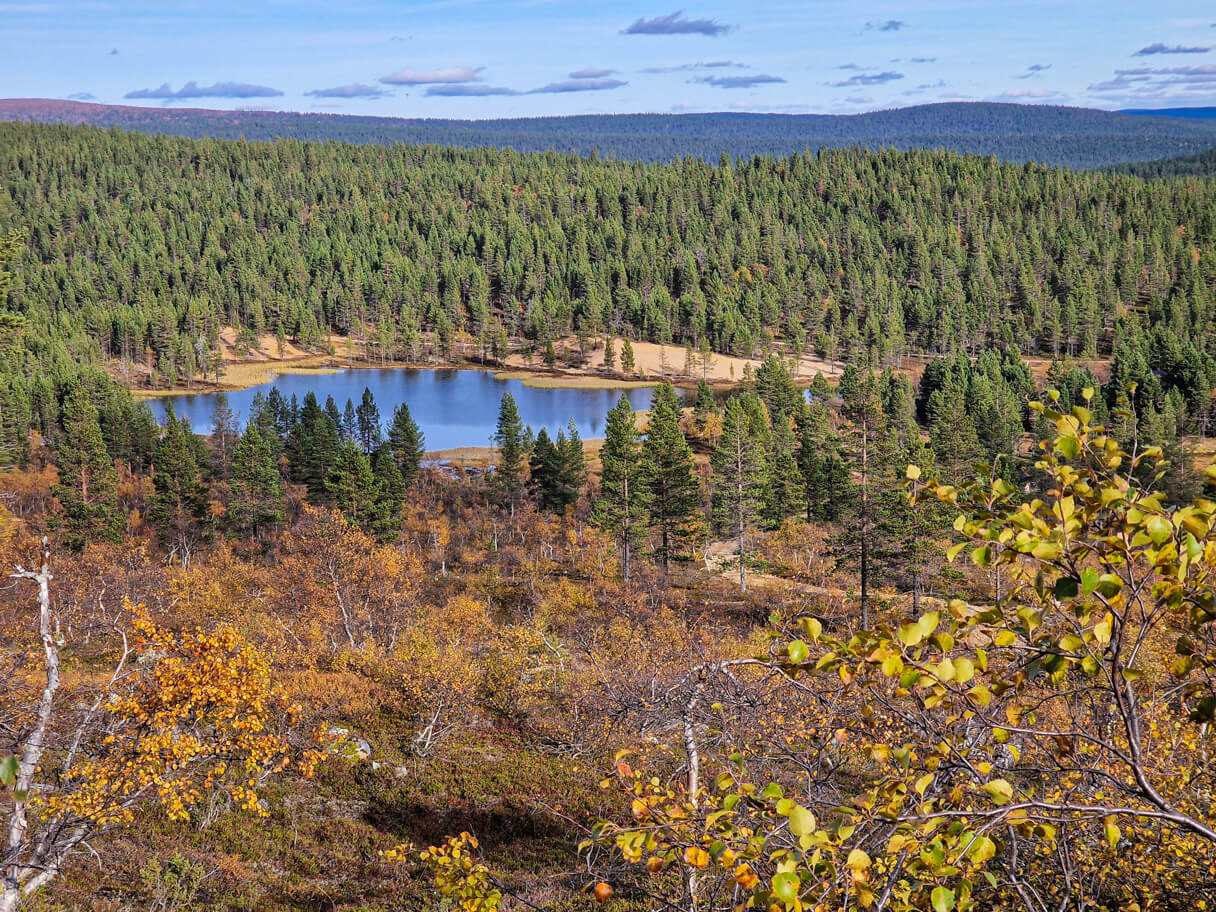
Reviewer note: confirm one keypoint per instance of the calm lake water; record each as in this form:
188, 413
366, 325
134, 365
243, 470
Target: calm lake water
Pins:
454, 408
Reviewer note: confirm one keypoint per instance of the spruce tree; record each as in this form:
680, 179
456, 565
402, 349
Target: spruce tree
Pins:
349, 428
224, 434
738, 490
784, 489
87, 489
817, 457
673, 492
509, 440
574, 462
179, 507
621, 506
407, 443
609, 354
351, 486
389, 496
256, 502
313, 448
367, 422
334, 413
544, 473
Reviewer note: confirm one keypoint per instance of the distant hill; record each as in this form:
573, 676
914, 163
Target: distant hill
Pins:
1076, 137
1202, 164
1189, 113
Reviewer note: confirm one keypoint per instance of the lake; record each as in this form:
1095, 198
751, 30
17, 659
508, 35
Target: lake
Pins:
454, 408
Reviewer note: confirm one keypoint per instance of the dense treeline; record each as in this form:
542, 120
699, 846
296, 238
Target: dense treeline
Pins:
1074, 137
139, 249
1201, 164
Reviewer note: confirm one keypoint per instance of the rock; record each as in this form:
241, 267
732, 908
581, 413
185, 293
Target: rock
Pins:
346, 745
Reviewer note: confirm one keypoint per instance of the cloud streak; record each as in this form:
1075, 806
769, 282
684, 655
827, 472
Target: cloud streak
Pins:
1159, 48
886, 25
354, 90
591, 73
1033, 71
739, 82
1159, 83
467, 90
699, 65
215, 90
866, 79
409, 76
578, 85
676, 24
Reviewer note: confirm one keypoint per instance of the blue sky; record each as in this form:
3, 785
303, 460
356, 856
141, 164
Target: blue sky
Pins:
510, 58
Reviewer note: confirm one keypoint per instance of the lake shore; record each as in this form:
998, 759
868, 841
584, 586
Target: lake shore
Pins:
653, 363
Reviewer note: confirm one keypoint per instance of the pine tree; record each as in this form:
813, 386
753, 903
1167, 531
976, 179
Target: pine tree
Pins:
609, 354
179, 507
738, 491
256, 501
87, 489
621, 506
509, 439
627, 362
367, 422
868, 444
407, 443
673, 492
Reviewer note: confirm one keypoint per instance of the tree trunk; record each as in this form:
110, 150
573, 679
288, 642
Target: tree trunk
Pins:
17, 875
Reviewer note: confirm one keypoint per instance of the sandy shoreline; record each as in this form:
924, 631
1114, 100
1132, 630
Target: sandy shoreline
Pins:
653, 363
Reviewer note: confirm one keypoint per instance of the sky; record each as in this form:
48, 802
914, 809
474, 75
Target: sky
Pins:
518, 58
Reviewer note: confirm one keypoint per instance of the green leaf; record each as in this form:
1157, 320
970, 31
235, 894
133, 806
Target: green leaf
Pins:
910, 634
1111, 832
1160, 529
8, 770
785, 887
1102, 629
1065, 588
1089, 580
943, 899
798, 652
857, 860
982, 849
802, 821
1046, 550
1000, 791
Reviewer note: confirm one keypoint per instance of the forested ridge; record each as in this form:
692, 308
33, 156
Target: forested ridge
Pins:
1199, 164
142, 248
1051, 134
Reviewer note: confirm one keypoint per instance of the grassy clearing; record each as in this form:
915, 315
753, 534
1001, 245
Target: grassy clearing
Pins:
568, 381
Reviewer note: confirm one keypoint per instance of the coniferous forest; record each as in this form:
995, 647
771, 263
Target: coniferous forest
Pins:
934, 630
